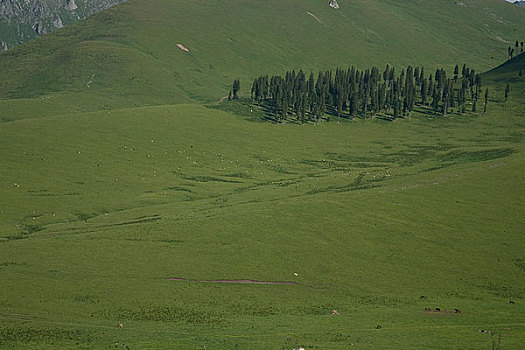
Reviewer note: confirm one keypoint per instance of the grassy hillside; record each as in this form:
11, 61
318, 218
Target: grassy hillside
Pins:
118, 212
129, 52
106, 207
509, 71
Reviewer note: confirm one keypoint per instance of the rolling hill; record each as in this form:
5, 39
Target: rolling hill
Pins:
130, 52
139, 211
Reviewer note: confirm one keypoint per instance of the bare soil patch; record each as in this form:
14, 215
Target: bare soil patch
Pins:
241, 281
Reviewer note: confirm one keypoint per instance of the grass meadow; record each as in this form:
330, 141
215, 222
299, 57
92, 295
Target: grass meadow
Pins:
121, 173
102, 209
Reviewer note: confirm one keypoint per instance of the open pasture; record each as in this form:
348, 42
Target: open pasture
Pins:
104, 208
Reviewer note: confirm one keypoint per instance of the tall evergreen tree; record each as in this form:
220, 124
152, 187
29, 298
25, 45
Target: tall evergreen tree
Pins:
424, 92
486, 101
235, 88
436, 98
478, 84
460, 100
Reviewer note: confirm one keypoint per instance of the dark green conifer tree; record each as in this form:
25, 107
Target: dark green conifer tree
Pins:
386, 73
486, 101
424, 92
353, 104
459, 100
235, 88
436, 98
416, 76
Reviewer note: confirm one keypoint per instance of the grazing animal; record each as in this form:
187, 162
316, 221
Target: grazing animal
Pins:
512, 302
378, 326
335, 312
438, 309
423, 297
427, 309
458, 311
120, 325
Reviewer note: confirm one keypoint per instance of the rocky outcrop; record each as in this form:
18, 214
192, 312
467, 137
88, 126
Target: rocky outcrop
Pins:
24, 19
58, 22
70, 5
334, 4
38, 28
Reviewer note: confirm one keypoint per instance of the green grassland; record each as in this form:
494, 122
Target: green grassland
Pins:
108, 206
107, 192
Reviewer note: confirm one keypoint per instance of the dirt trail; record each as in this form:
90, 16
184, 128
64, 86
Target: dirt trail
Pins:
243, 281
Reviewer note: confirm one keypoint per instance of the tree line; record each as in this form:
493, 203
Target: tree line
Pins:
351, 93
514, 50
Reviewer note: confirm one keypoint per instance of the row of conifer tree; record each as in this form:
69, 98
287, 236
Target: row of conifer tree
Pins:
353, 93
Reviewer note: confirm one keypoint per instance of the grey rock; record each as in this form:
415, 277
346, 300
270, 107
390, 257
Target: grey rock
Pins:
334, 4
22, 20
58, 22
70, 5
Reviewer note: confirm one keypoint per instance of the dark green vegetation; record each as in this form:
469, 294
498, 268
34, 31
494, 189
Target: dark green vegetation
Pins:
349, 93
101, 205
516, 50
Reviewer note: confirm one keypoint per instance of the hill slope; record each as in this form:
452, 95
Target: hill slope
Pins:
130, 53
105, 207
137, 216
509, 69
